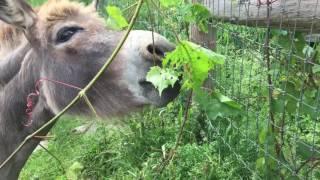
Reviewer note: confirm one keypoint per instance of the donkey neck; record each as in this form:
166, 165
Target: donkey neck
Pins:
13, 115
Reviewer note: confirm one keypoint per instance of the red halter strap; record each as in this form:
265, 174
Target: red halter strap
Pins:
36, 93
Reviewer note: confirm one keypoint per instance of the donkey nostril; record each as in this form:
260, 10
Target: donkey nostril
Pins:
154, 49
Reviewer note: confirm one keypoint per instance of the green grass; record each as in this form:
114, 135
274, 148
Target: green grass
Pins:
36, 3
132, 149
135, 149
67, 146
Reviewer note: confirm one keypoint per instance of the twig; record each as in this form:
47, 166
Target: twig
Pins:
314, 166
55, 157
185, 119
129, 7
311, 159
151, 19
173, 151
76, 99
43, 137
88, 102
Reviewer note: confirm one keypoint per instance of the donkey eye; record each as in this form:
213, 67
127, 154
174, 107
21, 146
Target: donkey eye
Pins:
66, 33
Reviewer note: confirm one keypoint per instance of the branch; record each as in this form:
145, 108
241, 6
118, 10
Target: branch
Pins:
172, 153
311, 159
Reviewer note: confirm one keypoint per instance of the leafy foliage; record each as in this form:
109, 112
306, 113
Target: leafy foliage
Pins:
161, 78
193, 63
217, 105
115, 19
170, 3
188, 60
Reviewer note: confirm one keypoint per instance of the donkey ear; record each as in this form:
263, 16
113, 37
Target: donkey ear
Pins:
17, 13
95, 4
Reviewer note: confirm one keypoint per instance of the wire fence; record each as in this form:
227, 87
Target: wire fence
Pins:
271, 73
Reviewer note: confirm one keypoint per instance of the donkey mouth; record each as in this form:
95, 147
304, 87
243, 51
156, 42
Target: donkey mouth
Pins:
146, 85
168, 94
144, 82
149, 86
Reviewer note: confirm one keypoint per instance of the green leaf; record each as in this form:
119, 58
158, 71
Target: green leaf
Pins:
161, 78
214, 107
170, 3
212, 56
227, 100
316, 68
74, 170
260, 163
263, 135
116, 19
195, 61
308, 51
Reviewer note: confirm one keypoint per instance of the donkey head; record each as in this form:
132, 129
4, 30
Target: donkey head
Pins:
70, 43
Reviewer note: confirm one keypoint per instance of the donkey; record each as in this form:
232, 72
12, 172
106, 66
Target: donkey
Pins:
68, 42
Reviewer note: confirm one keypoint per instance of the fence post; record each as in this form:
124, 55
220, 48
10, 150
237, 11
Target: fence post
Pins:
207, 40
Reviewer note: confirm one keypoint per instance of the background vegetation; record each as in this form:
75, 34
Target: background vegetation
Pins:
257, 136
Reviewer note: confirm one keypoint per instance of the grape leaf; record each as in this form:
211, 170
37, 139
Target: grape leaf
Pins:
195, 60
212, 56
217, 105
161, 78
115, 19
227, 100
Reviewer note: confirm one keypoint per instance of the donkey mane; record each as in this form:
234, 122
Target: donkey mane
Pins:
10, 38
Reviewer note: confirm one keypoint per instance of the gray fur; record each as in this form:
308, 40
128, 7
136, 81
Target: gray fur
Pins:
121, 89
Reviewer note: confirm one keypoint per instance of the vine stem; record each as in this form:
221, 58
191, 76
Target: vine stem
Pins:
179, 138
170, 157
185, 119
82, 93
